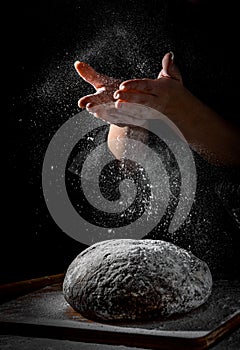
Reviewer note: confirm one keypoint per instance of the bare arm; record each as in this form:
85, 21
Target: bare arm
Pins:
208, 133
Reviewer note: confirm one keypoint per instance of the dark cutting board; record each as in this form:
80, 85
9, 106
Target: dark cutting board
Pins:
41, 311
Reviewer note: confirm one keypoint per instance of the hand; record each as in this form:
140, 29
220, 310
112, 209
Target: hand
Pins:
215, 138
104, 86
212, 136
147, 92
102, 103
161, 94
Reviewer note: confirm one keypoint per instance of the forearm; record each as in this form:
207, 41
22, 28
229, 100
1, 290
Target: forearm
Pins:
216, 139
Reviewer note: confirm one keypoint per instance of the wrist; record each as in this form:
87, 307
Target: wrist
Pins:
116, 134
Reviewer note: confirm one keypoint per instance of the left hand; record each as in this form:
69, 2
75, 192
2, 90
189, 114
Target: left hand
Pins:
102, 103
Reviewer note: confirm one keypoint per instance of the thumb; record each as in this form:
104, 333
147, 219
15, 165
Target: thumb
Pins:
90, 75
169, 69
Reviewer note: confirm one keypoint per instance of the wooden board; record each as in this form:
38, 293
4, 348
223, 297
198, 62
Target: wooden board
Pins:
44, 313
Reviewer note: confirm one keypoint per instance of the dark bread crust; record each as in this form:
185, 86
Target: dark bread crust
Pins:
127, 279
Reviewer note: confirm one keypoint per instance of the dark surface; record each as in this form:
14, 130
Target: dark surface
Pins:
28, 343
43, 39
47, 306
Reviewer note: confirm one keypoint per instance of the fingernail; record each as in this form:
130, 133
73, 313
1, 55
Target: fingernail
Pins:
76, 63
122, 87
172, 55
116, 95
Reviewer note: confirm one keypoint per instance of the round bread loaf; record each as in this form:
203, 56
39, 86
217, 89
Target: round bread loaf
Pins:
128, 279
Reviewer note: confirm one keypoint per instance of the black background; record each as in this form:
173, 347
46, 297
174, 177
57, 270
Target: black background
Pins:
31, 243
41, 42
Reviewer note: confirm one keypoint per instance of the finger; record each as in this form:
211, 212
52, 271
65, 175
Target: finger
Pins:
133, 96
125, 119
107, 116
143, 99
93, 99
145, 85
102, 109
85, 71
138, 111
169, 69
166, 63
110, 114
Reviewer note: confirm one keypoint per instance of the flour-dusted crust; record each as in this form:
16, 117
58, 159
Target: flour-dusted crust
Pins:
128, 279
